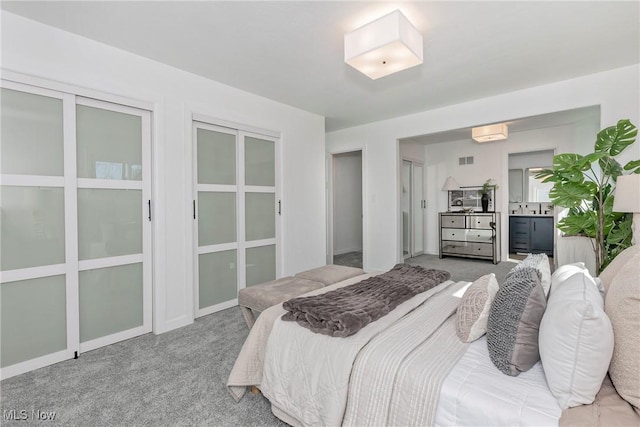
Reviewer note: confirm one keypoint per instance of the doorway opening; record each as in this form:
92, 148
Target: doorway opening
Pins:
347, 247
531, 215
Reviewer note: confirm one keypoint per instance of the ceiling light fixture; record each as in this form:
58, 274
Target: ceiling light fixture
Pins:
385, 46
490, 133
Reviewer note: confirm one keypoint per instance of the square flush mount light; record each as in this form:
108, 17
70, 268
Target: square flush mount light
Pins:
490, 133
385, 46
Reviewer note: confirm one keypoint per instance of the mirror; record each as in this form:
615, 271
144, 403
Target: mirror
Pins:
537, 191
516, 187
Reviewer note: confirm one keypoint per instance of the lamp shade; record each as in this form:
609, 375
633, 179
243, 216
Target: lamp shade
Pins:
627, 194
385, 46
450, 184
490, 133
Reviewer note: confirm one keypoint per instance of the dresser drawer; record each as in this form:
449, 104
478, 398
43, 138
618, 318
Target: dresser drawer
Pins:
480, 236
454, 234
467, 248
480, 221
452, 221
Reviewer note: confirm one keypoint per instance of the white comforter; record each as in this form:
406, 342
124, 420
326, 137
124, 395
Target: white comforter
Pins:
308, 376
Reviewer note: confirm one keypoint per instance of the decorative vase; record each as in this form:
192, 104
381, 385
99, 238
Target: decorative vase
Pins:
485, 202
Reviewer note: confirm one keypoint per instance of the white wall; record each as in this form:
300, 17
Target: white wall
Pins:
615, 91
37, 50
347, 202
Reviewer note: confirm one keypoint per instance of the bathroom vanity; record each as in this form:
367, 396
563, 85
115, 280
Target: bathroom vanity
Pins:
531, 234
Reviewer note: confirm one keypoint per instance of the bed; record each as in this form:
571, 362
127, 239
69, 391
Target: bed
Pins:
407, 368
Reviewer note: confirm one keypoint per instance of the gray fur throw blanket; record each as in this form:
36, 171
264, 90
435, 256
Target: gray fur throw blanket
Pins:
344, 311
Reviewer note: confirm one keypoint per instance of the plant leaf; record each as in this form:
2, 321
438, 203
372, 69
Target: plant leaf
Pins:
633, 165
611, 167
570, 161
614, 139
572, 194
582, 224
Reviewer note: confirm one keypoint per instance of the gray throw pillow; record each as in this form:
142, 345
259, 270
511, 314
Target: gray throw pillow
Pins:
541, 263
514, 321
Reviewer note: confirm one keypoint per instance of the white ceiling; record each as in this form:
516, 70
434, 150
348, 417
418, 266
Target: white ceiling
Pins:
292, 52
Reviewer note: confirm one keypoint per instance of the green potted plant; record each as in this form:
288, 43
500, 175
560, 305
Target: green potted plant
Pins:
584, 184
484, 191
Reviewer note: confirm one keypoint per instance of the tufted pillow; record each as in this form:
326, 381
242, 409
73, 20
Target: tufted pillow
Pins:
541, 263
514, 319
473, 310
622, 305
576, 340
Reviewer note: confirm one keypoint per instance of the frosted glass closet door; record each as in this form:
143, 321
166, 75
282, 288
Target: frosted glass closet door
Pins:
216, 211
113, 162
34, 290
261, 207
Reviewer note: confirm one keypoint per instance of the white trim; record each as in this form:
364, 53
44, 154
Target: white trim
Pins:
93, 264
32, 273
258, 189
217, 248
32, 180
193, 274
216, 307
201, 118
241, 271
147, 229
8, 83
71, 224
217, 188
159, 229
36, 363
111, 184
21, 79
114, 338
258, 243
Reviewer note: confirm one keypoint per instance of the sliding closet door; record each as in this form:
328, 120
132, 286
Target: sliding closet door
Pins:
75, 230
235, 208
215, 211
261, 205
36, 258
114, 228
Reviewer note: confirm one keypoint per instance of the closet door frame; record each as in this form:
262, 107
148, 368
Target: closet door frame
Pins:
72, 96
240, 131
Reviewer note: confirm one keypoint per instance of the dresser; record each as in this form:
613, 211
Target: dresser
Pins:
470, 235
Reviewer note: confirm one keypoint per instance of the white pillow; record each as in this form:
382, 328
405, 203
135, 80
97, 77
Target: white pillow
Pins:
575, 340
563, 272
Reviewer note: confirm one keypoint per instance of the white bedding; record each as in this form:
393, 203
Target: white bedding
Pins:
475, 393
306, 375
